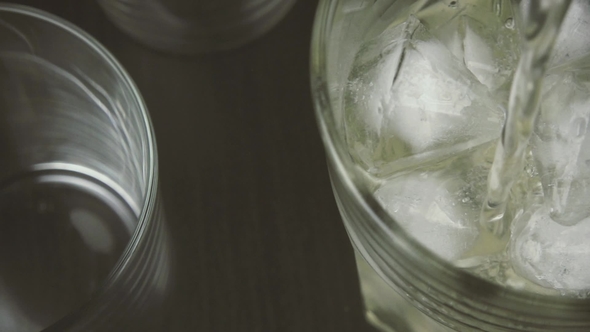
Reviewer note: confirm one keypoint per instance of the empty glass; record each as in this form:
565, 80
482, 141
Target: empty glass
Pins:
83, 245
185, 26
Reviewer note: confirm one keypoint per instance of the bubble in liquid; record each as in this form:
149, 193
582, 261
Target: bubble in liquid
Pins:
509, 23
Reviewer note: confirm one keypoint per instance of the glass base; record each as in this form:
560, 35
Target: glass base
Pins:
388, 311
193, 27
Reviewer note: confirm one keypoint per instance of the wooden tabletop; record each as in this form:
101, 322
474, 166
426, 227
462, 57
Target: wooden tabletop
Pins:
259, 242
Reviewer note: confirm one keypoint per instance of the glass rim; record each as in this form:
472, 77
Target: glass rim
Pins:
436, 269
149, 198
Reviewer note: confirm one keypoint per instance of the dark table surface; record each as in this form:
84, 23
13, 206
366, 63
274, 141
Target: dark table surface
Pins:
259, 242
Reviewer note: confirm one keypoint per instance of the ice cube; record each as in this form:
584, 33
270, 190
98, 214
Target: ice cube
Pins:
490, 52
440, 206
561, 146
487, 41
573, 41
409, 99
550, 254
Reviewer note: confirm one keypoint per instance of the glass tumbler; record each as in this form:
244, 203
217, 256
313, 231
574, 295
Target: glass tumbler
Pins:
186, 26
83, 245
405, 286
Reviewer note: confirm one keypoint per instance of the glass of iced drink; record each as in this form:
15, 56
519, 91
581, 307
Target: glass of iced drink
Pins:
83, 245
456, 135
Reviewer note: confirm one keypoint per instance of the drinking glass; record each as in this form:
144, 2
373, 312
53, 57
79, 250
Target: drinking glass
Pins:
83, 244
185, 26
405, 286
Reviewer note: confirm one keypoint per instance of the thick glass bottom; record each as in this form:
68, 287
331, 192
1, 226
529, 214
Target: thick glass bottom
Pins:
61, 234
388, 311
